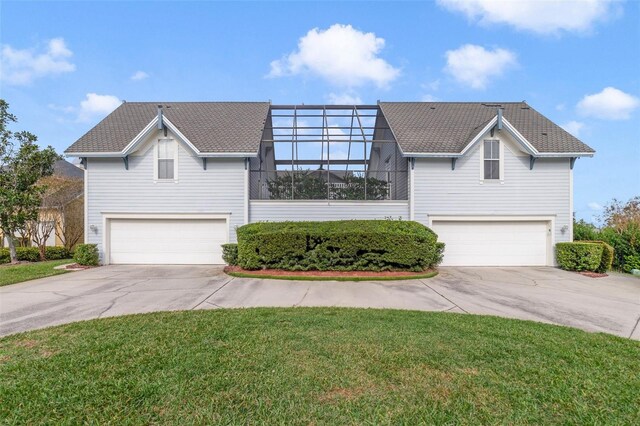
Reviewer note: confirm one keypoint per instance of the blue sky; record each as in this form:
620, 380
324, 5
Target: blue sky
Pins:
65, 65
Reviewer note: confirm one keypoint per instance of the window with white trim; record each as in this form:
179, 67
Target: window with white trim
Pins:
491, 159
166, 159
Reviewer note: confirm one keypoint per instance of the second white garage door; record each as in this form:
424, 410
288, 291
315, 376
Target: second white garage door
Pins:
167, 241
493, 243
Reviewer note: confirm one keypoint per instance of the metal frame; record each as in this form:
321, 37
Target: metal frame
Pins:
353, 129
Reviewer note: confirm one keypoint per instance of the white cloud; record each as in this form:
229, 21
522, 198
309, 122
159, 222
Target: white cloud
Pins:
344, 99
538, 16
429, 98
139, 75
573, 127
474, 65
594, 206
96, 105
609, 104
22, 66
341, 55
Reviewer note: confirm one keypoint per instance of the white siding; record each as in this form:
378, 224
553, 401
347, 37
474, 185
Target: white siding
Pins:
112, 189
543, 191
274, 211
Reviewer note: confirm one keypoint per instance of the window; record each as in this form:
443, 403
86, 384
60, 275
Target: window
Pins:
166, 159
491, 159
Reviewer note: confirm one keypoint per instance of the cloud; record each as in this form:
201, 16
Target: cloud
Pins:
344, 99
429, 98
538, 16
474, 65
139, 75
22, 66
341, 55
96, 105
594, 206
573, 127
609, 104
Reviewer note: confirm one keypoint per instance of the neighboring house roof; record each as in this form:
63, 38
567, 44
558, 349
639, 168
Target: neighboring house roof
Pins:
448, 127
419, 127
209, 126
64, 168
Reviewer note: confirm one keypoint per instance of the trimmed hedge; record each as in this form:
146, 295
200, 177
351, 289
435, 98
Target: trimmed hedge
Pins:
606, 262
354, 245
31, 254
230, 254
579, 256
86, 254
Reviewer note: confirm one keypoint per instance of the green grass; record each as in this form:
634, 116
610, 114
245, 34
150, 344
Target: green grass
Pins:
430, 274
12, 274
317, 366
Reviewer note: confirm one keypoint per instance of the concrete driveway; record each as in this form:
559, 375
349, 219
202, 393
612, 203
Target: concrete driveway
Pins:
610, 305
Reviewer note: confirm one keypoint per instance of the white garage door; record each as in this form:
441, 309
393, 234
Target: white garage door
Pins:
493, 243
167, 241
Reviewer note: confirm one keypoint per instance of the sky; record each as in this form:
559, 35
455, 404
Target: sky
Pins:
66, 65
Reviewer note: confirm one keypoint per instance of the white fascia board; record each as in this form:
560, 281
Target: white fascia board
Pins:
564, 154
111, 154
140, 137
479, 136
227, 154
518, 137
179, 134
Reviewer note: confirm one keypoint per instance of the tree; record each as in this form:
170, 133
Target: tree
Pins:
22, 165
63, 201
619, 215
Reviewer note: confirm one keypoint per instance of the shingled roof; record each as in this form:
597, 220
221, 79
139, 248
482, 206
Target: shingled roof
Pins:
448, 127
223, 127
419, 127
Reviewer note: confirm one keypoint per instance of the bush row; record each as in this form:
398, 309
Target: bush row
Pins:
594, 256
32, 254
625, 242
355, 245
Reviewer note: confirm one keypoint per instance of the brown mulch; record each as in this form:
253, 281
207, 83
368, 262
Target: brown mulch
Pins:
593, 274
77, 266
282, 272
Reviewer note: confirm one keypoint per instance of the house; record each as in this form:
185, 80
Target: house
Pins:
60, 220
168, 183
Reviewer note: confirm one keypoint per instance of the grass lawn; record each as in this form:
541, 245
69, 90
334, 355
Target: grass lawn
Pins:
11, 274
317, 366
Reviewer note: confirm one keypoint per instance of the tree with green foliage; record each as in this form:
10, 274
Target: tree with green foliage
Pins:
22, 165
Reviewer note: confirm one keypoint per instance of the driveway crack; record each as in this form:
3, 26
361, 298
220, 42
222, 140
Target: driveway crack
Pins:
303, 297
444, 297
214, 292
634, 327
113, 302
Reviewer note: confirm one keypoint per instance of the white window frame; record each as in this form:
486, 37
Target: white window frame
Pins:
500, 161
156, 158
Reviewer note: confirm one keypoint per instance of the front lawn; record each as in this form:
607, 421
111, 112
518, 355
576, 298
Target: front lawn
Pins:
11, 274
317, 366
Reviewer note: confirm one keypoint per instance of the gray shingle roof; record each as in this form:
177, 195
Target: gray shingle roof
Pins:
63, 168
236, 127
223, 127
447, 127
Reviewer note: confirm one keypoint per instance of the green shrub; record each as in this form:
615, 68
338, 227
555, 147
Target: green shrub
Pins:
31, 254
584, 231
356, 245
626, 244
579, 256
56, 253
607, 255
230, 254
86, 254
631, 262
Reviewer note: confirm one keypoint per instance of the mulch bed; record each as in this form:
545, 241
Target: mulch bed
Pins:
76, 266
593, 274
281, 272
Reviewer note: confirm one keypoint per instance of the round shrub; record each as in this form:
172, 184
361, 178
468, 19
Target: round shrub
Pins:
86, 254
